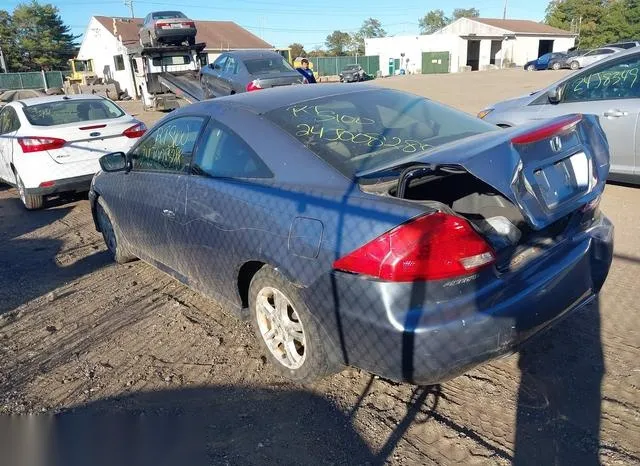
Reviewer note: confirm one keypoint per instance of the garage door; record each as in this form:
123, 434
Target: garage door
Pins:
435, 62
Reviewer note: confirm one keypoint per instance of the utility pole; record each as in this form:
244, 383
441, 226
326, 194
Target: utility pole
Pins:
504, 13
2, 62
129, 3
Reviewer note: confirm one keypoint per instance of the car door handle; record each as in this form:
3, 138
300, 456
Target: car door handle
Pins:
615, 113
169, 213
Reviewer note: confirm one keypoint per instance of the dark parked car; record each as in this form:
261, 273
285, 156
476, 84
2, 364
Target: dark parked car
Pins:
167, 27
365, 226
352, 73
542, 62
246, 71
562, 61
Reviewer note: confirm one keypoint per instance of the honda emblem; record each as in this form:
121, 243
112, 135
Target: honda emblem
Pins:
556, 144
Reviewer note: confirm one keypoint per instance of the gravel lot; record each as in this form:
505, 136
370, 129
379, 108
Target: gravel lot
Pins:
81, 336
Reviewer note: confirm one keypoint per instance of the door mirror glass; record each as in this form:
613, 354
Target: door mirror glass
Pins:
216, 66
554, 95
114, 162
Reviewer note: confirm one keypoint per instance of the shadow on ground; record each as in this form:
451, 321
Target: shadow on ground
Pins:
27, 261
212, 425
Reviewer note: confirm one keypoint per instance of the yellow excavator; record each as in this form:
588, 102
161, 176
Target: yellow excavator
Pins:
82, 72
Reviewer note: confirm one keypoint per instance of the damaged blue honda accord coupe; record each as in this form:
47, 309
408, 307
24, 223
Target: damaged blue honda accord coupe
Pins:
366, 227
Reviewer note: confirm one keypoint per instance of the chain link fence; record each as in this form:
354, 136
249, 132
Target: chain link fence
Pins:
331, 66
31, 80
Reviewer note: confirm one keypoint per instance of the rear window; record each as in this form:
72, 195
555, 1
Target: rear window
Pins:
171, 60
364, 130
71, 111
168, 15
267, 65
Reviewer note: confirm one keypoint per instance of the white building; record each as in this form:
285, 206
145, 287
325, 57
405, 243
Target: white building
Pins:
479, 43
109, 41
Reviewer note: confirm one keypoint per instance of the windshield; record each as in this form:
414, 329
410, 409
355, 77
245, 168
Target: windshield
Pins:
351, 67
364, 130
267, 65
71, 111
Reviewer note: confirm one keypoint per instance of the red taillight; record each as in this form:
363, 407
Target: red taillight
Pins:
254, 86
135, 131
47, 184
37, 144
163, 25
189, 25
431, 247
559, 126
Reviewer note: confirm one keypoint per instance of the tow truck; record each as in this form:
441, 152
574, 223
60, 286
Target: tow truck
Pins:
165, 74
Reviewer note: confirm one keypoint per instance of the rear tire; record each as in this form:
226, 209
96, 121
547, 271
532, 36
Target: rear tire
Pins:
30, 201
152, 41
574, 65
111, 234
298, 347
191, 41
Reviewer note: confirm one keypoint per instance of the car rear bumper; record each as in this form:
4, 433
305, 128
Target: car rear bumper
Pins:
175, 33
427, 333
75, 184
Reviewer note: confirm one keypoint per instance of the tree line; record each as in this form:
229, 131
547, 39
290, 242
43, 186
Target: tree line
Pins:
35, 38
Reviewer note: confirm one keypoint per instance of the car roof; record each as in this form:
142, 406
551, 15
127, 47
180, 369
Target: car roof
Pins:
253, 53
271, 99
58, 98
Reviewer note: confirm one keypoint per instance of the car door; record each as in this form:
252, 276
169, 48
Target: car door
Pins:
543, 61
9, 126
612, 92
155, 188
213, 75
222, 215
228, 75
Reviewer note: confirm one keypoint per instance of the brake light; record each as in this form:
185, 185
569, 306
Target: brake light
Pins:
163, 25
189, 25
135, 131
47, 184
254, 86
92, 127
37, 144
431, 247
555, 127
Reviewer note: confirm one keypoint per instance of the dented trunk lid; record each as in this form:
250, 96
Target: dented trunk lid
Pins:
547, 170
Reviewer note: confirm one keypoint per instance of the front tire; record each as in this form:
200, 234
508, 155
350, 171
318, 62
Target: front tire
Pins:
30, 201
531, 68
111, 234
290, 336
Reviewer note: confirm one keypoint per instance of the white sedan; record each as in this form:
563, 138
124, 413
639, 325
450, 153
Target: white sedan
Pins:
52, 144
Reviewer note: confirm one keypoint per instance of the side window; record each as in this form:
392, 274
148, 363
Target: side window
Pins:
606, 51
224, 154
168, 147
230, 66
14, 121
118, 61
9, 121
617, 80
220, 62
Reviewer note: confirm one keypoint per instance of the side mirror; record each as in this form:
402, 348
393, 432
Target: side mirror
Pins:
114, 162
554, 95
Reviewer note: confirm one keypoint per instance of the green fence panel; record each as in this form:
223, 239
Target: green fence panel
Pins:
331, 66
54, 79
30, 80
10, 81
